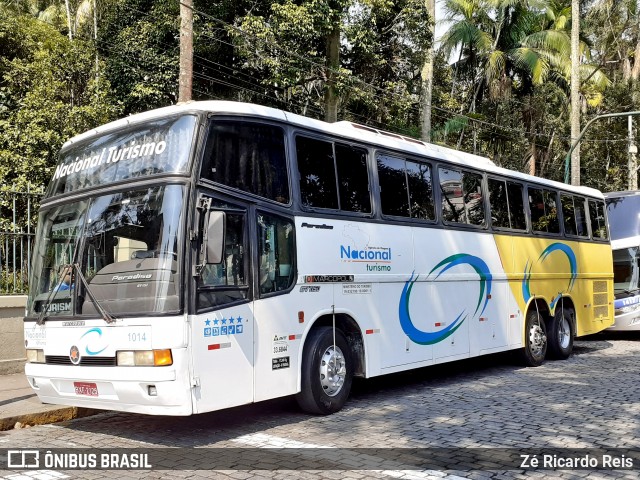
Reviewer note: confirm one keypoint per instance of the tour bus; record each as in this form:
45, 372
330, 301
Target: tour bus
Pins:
213, 254
623, 211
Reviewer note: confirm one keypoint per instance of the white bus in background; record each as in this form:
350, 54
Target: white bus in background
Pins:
224, 253
624, 223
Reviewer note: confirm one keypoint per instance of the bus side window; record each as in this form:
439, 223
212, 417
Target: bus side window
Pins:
596, 218
581, 216
353, 179
461, 196
499, 204
392, 177
248, 156
516, 206
276, 255
317, 173
226, 282
420, 190
544, 211
568, 214
231, 271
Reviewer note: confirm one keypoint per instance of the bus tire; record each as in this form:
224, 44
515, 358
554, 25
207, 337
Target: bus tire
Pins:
535, 340
327, 374
560, 337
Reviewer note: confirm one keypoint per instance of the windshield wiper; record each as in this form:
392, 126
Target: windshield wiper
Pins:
74, 268
47, 303
106, 316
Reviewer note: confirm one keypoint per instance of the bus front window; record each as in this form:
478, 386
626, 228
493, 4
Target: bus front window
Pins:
126, 247
626, 270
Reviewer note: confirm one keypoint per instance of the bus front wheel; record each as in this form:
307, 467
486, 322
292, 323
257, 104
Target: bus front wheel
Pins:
561, 335
535, 340
327, 372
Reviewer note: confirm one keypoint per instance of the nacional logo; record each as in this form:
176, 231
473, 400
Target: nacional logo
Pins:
74, 355
376, 255
357, 248
573, 266
422, 337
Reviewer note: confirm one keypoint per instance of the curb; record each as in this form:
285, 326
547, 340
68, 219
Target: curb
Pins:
43, 418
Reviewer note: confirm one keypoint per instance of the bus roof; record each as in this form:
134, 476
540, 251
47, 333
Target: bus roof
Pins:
344, 129
627, 193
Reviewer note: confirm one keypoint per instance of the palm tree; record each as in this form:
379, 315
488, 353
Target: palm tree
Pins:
427, 76
507, 45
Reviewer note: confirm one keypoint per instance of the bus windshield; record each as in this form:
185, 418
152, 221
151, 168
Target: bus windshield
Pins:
623, 216
626, 270
125, 245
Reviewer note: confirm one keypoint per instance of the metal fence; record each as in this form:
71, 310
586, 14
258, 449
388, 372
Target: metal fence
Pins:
18, 211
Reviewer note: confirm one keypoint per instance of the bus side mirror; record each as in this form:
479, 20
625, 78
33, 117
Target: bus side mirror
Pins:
214, 237
212, 248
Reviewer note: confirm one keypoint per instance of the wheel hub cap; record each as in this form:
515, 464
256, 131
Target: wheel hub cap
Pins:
333, 371
537, 340
564, 333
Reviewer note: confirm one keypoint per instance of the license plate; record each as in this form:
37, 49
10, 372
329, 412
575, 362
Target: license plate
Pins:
85, 388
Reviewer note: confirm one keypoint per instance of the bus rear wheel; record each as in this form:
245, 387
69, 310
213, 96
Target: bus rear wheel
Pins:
535, 340
561, 335
327, 372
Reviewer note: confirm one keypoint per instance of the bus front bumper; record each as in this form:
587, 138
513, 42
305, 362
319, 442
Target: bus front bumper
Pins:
627, 321
149, 390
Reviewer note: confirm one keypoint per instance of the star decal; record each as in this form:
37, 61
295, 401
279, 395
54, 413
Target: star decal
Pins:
231, 320
207, 322
224, 321
215, 322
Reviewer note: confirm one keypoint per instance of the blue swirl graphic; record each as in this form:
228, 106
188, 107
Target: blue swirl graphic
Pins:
86, 348
478, 265
429, 338
573, 267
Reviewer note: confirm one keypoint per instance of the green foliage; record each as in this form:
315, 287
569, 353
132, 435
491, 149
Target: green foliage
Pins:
381, 41
49, 92
139, 42
504, 96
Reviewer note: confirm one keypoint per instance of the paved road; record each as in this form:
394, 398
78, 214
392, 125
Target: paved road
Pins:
591, 400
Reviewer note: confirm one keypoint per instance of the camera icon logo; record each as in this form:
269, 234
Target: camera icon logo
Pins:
23, 459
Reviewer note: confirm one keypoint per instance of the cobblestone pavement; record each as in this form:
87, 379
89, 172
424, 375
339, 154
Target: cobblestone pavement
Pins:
591, 400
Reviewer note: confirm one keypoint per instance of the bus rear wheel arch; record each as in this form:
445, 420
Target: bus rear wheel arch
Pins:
327, 371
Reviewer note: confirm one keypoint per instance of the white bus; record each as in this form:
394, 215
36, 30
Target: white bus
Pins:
223, 253
624, 223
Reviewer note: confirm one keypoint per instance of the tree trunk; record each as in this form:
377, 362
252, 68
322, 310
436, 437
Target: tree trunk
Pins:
333, 64
95, 34
575, 90
635, 72
66, 4
427, 76
186, 51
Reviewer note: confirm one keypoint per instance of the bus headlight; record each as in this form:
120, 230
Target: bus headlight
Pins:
35, 355
145, 358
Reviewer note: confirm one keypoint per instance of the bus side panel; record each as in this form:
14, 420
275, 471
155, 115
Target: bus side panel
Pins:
362, 301
549, 269
373, 262
593, 294
280, 337
222, 352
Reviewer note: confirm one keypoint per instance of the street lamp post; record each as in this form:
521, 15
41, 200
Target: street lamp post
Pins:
567, 159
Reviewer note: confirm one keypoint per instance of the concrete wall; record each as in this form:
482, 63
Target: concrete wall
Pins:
12, 354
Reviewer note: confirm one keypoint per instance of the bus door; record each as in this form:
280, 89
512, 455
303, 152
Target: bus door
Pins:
223, 327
